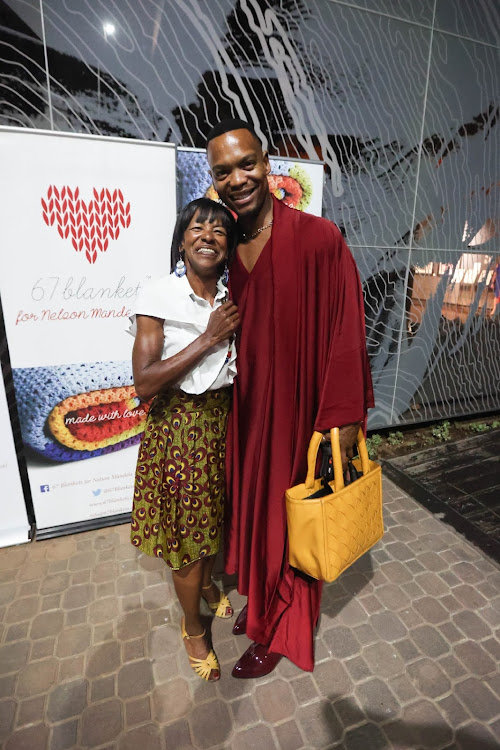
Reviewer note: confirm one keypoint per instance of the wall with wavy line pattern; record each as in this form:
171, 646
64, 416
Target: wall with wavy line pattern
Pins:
401, 101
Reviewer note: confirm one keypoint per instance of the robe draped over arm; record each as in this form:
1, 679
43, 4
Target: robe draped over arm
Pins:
345, 389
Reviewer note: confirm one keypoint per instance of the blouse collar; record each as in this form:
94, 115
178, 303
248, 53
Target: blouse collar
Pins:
189, 292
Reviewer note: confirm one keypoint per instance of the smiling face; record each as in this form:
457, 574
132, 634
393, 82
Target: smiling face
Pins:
204, 245
239, 170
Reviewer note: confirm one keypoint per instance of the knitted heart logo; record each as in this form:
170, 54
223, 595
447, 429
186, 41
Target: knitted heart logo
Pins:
90, 225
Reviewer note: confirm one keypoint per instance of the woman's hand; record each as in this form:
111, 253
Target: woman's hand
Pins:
222, 323
153, 374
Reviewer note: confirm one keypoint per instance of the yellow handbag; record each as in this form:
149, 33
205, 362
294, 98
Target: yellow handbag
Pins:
329, 533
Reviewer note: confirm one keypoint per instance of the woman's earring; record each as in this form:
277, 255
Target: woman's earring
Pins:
225, 275
180, 268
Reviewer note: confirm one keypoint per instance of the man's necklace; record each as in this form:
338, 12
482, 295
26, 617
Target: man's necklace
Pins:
257, 231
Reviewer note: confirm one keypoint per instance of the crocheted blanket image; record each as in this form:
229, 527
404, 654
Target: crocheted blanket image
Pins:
78, 411
288, 182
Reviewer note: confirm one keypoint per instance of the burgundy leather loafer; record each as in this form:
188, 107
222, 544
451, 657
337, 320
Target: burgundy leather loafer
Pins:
255, 662
240, 626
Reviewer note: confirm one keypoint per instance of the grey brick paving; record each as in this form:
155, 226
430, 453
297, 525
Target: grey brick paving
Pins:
407, 651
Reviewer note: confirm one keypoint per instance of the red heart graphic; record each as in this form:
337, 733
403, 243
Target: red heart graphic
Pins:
91, 225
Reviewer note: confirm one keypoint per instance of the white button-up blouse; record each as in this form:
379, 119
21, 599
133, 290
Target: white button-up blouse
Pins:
185, 317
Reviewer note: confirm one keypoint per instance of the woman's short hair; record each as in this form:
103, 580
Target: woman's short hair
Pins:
207, 210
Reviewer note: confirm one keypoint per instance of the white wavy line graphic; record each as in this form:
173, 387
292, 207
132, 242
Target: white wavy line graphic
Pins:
296, 90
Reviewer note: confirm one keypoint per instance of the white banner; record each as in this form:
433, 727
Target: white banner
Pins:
296, 182
14, 526
84, 220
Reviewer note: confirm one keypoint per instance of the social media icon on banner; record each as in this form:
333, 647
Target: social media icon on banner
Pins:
44, 488
96, 492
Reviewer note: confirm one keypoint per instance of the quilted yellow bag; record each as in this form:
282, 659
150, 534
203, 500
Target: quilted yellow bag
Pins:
327, 534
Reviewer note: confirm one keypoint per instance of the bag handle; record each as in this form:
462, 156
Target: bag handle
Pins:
338, 474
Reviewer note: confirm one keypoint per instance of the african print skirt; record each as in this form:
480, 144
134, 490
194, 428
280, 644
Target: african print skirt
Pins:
179, 483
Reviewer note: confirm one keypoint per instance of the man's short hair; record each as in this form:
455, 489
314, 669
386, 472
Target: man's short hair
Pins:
225, 126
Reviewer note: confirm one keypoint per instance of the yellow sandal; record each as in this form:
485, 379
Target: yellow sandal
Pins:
223, 608
202, 667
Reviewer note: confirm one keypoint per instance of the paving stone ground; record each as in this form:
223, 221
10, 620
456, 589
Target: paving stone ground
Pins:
407, 652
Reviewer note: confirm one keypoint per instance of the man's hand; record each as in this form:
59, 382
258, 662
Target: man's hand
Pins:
347, 436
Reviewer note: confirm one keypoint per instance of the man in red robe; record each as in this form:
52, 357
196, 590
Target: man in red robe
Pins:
302, 366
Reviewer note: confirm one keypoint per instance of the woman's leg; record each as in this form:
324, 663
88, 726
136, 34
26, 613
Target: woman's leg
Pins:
187, 583
208, 566
215, 598
210, 593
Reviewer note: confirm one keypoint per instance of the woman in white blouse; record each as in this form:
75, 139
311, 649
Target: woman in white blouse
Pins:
184, 357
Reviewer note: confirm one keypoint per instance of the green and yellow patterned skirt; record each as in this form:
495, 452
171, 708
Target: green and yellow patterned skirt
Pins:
179, 489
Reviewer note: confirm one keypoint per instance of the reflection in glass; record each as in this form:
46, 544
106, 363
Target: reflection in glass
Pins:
449, 361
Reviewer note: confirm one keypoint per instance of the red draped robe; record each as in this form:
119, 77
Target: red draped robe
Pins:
302, 365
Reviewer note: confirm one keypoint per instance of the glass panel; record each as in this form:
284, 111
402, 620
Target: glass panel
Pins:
476, 19
458, 195
115, 67
374, 70
23, 88
449, 361
419, 11
383, 274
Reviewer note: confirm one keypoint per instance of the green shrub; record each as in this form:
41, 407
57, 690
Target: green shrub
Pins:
441, 431
479, 427
395, 438
373, 443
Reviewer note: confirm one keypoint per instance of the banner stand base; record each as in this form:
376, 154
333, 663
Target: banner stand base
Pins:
77, 528
13, 536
